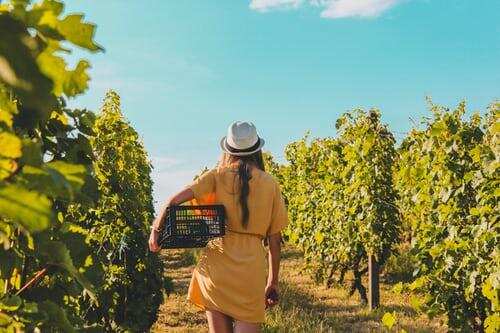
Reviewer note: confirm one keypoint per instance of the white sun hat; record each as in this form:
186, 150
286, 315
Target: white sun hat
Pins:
241, 139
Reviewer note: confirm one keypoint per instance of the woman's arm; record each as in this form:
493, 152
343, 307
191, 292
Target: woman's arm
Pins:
274, 268
181, 197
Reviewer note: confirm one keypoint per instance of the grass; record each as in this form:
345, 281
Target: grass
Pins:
304, 307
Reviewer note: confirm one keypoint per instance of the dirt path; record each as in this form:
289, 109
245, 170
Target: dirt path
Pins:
304, 307
176, 313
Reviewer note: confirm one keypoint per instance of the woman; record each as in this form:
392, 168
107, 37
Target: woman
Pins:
229, 282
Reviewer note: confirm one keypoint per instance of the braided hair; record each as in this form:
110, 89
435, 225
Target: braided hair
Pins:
244, 174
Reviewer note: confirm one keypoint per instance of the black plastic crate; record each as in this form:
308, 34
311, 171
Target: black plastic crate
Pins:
192, 226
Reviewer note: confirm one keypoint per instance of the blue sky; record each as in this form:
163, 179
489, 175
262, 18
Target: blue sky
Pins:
186, 69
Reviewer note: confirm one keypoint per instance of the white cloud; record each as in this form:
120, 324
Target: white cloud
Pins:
357, 8
332, 9
265, 5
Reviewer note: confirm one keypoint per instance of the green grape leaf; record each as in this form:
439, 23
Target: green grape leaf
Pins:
75, 174
32, 153
69, 82
74, 237
492, 323
5, 117
319, 237
55, 6
20, 3
368, 143
19, 70
10, 303
55, 179
389, 319
398, 288
78, 79
5, 319
44, 15
56, 253
418, 283
30, 307
79, 33
85, 120
8, 261
438, 128
11, 145
30, 209
7, 108
491, 293
417, 302
47, 181
56, 317
495, 128
7, 167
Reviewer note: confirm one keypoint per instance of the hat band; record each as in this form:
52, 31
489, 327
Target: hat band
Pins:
247, 150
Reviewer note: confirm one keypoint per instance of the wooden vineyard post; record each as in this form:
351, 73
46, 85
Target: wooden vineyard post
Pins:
373, 283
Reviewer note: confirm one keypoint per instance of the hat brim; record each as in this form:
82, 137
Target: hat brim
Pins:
223, 145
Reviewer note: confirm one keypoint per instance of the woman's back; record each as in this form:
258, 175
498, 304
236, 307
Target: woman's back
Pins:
267, 212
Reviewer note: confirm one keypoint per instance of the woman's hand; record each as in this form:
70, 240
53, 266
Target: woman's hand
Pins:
153, 241
272, 295
155, 227
181, 197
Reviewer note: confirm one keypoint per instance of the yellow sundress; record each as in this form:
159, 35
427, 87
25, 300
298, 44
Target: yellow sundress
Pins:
231, 274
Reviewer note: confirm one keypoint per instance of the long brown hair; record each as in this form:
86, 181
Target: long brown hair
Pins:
245, 164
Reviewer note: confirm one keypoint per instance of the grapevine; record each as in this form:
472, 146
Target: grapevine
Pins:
341, 199
448, 179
